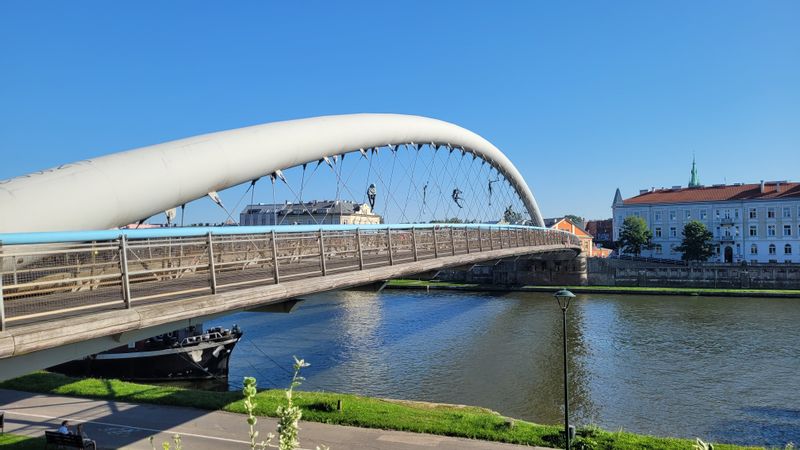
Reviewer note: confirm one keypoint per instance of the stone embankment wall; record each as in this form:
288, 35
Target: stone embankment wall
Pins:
611, 272
523, 271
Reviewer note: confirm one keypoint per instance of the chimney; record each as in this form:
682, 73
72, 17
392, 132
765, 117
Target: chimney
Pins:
762, 186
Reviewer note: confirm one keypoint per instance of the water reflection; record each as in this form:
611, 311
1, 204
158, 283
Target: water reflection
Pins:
718, 368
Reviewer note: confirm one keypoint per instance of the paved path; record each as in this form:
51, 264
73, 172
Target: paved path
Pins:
128, 425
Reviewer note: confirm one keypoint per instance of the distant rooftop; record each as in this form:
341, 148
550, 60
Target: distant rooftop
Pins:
772, 190
313, 206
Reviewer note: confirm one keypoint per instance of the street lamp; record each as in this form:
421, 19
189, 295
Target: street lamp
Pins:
563, 297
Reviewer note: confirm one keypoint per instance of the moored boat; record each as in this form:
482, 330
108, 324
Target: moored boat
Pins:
185, 354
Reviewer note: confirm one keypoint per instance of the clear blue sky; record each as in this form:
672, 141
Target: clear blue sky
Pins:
584, 97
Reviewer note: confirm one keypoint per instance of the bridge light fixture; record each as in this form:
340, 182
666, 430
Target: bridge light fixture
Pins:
563, 297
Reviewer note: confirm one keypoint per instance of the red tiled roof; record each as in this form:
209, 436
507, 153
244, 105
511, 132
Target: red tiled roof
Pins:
717, 194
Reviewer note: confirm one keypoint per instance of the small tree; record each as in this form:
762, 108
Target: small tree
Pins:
696, 244
577, 220
511, 216
634, 236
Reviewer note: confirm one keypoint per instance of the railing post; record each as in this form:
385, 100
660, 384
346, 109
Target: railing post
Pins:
389, 245
491, 242
360, 251
414, 243
501, 237
452, 242
322, 254
276, 274
516, 236
435, 243
480, 239
212, 267
123, 270
466, 237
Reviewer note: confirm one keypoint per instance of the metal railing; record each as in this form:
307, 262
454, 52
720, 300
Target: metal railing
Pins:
43, 275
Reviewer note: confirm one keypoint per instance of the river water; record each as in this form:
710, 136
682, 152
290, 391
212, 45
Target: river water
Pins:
724, 369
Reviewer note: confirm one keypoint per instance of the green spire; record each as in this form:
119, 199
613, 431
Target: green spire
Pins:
695, 181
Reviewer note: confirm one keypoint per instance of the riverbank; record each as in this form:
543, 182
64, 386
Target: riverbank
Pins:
431, 285
449, 420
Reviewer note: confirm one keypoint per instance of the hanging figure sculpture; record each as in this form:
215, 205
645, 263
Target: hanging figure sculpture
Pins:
424, 196
457, 197
491, 182
372, 192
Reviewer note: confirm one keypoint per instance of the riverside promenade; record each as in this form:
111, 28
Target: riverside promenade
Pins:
129, 426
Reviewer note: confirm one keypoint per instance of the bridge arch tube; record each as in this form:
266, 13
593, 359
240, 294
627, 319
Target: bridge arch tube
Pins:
122, 188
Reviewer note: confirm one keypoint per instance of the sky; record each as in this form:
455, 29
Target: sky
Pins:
584, 97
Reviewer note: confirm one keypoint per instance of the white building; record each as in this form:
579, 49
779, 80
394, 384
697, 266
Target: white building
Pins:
314, 212
750, 222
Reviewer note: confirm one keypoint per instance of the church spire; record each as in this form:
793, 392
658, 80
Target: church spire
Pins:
695, 181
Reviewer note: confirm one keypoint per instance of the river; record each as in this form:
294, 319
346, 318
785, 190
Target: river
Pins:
723, 369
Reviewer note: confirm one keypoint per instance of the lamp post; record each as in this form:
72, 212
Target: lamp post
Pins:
563, 297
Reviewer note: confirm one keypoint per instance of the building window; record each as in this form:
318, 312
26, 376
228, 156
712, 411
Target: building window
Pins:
657, 249
716, 213
754, 249
658, 232
770, 230
673, 215
787, 230
658, 216
687, 214
770, 213
703, 214
787, 249
673, 232
787, 212
753, 213
738, 249
754, 230
772, 249
736, 213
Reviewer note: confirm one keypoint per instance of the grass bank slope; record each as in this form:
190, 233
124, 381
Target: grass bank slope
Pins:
421, 284
449, 420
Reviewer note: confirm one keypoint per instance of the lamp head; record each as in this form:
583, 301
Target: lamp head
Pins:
563, 297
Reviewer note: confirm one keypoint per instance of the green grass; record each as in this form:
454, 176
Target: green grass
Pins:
17, 442
404, 283
449, 420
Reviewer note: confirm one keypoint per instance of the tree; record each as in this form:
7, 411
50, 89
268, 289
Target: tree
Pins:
577, 220
634, 236
696, 244
511, 216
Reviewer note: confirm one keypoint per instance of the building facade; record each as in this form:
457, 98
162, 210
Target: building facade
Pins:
602, 231
340, 212
755, 223
588, 248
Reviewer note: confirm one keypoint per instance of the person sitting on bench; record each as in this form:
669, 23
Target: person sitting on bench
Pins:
64, 428
87, 442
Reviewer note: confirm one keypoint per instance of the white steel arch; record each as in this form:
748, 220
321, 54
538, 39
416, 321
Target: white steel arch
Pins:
122, 188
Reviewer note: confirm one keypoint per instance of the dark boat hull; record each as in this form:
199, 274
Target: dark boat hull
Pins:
201, 361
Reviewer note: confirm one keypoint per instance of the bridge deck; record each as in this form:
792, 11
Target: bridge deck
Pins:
41, 282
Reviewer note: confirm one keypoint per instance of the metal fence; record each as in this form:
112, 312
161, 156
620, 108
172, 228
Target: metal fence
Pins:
48, 275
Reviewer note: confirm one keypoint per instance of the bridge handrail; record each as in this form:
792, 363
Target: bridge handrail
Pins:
53, 237
44, 274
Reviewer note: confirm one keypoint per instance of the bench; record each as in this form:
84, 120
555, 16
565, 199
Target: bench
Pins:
59, 440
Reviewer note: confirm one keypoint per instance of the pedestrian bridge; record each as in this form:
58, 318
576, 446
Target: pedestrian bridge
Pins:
64, 295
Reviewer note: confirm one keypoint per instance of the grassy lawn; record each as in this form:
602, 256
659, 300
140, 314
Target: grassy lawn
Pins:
450, 420
403, 283
17, 442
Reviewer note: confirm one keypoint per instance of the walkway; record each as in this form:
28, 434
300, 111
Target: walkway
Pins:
128, 425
